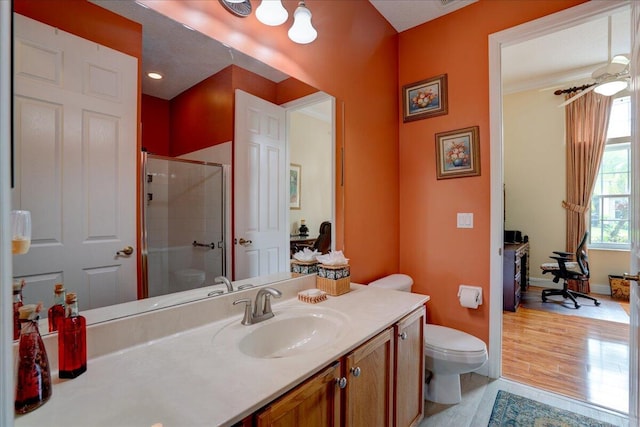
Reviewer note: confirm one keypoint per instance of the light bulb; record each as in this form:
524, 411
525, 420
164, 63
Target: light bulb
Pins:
302, 30
271, 12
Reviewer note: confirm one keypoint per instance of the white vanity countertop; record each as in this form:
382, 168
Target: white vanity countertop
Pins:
186, 380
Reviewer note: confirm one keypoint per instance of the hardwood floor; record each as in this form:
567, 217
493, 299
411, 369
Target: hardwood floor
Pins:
579, 357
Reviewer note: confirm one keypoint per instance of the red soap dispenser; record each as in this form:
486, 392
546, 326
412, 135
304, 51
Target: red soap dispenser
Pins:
33, 383
56, 311
17, 303
72, 341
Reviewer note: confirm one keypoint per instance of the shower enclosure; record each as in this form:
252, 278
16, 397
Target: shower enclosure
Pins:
183, 215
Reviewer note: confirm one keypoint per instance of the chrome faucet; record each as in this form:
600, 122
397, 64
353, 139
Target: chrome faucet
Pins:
262, 308
227, 283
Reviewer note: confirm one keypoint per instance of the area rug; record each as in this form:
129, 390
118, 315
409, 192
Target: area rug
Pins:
516, 411
608, 309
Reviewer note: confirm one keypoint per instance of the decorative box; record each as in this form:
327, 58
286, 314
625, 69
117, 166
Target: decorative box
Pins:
619, 287
334, 279
301, 268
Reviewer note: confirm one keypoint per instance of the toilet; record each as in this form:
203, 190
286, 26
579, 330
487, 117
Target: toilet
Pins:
189, 278
448, 352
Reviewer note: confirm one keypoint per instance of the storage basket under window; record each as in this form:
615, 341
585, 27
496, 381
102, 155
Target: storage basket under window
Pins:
619, 288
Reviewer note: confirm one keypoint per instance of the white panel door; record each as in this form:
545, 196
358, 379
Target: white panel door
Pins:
261, 236
75, 164
634, 339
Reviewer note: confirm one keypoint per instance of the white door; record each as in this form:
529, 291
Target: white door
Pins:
260, 188
634, 339
75, 164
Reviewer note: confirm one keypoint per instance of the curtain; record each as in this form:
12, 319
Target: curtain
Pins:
587, 119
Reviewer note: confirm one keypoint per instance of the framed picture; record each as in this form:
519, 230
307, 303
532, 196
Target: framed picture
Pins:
294, 186
458, 153
426, 98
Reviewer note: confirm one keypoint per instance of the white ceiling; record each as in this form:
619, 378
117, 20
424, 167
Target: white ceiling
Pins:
565, 57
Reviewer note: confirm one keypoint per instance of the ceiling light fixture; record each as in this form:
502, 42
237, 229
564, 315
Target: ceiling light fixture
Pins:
155, 76
272, 13
240, 8
611, 87
302, 30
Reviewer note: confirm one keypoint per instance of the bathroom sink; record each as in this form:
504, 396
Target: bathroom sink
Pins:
292, 331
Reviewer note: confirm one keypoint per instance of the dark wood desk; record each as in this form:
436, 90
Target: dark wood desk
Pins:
297, 243
515, 274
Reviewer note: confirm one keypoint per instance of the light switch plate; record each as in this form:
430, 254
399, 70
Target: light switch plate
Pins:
465, 220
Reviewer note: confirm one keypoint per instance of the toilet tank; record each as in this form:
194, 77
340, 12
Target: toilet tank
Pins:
398, 282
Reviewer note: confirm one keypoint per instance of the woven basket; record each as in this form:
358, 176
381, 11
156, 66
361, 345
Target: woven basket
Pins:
619, 288
334, 286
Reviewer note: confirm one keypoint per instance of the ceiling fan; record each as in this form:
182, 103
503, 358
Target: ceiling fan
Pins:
609, 79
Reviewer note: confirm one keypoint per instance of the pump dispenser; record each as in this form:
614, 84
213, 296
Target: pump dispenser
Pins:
33, 383
56, 311
72, 341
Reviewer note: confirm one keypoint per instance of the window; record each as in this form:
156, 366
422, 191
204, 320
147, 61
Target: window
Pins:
610, 200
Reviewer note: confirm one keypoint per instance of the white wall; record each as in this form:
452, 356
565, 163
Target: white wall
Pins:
310, 147
534, 177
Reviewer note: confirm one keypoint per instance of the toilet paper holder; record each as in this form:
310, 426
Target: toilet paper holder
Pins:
477, 290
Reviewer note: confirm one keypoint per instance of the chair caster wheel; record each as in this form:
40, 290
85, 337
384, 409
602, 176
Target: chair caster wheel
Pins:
544, 299
597, 303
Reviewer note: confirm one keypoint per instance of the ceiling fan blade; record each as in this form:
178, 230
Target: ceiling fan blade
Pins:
573, 98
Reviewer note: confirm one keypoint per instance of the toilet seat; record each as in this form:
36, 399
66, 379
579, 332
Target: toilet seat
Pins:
450, 344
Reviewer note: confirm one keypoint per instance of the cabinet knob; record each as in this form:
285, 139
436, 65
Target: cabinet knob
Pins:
403, 336
355, 371
341, 382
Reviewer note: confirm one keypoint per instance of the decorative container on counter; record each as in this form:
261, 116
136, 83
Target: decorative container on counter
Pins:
301, 268
334, 279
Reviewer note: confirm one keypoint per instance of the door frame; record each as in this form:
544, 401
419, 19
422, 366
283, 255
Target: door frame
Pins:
298, 104
545, 25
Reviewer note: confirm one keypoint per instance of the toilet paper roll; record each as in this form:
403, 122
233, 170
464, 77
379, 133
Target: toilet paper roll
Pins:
469, 298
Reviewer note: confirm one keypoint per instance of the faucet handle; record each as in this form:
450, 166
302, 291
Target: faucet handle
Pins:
246, 320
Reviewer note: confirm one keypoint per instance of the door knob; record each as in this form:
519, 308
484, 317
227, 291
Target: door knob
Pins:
635, 278
244, 242
125, 251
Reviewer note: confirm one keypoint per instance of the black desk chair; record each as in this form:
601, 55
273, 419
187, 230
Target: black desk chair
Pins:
566, 270
323, 242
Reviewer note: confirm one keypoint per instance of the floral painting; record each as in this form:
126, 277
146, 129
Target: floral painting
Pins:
426, 98
458, 153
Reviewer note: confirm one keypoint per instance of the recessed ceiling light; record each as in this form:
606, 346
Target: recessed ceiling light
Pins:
155, 76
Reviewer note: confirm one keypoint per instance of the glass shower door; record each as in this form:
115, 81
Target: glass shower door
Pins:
184, 224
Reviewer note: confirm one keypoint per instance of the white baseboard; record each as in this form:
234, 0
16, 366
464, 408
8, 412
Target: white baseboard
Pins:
546, 283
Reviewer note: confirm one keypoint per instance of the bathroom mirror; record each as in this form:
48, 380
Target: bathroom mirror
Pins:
42, 291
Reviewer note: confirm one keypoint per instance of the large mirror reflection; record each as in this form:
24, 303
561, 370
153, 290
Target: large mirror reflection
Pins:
201, 190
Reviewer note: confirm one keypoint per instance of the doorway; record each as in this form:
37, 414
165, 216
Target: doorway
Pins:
547, 25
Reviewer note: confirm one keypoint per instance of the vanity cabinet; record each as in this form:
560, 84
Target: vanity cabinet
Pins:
369, 392
314, 403
378, 384
409, 369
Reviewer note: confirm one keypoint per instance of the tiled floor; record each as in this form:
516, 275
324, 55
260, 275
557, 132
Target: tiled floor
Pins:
478, 395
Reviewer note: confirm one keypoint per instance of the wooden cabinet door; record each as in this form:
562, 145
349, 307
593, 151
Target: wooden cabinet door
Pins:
369, 391
315, 403
409, 370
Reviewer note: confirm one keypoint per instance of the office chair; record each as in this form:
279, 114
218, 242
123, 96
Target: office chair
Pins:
566, 270
323, 242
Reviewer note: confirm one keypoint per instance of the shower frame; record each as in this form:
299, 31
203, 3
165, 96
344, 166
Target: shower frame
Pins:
144, 157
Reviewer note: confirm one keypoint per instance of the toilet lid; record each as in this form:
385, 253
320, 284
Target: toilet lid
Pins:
441, 337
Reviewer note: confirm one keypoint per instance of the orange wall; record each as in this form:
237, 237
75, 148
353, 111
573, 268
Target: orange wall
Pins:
362, 74
437, 254
155, 125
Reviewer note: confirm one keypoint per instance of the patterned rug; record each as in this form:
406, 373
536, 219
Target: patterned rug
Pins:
516, 411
